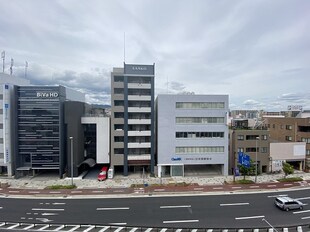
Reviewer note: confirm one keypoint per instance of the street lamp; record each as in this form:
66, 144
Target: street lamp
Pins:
257, 138
71, 150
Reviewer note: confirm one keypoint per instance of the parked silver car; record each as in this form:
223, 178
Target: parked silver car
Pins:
287, 203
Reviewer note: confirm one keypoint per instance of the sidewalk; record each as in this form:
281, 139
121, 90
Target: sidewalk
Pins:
134, 184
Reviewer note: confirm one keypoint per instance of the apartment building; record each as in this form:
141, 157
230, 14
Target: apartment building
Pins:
290, 130
253, 142
132, 119
192, 134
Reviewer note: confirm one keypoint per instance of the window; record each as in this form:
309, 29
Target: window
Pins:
307, 152
186, 150
252, 137
199, 120
118, 91
251, 149
199, 134
307, 140
200, 105
264, 149
240, 137
288, 127
288, 138
264, 137
240, 149
118, 79
273, 126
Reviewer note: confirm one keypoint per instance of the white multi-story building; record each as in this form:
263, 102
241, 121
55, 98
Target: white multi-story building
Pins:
7, 106
192, 133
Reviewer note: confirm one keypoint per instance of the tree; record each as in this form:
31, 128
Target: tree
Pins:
247, 171
287, 169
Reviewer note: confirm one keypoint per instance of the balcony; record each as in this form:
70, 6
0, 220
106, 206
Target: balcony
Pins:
139, 98
139, 109
139, 157
139, 145
139, 133
139, 86
139, 121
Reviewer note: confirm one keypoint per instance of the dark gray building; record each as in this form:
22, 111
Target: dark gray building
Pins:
132, 118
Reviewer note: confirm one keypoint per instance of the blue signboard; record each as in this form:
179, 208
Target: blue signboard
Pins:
244, 159
176, 159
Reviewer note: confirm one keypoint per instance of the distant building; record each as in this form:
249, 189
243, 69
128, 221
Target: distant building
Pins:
8, 121
192, 134
132, 119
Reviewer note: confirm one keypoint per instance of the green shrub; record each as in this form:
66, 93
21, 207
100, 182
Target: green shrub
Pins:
244, 182
61, 187
290, 179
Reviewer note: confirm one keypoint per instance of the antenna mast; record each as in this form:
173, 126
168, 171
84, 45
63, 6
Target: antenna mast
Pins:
3, 57
11, 68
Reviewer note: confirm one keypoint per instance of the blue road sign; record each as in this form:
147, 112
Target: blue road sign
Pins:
244, 159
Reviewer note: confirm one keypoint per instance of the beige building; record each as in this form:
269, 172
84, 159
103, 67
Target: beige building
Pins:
290, 130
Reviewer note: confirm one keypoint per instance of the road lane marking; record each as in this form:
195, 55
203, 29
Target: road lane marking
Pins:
59, 228
236, 187
74, 228
305, 218
76, 191
13, 191
149, 230
119, 208
209, 230
58, 203
118, 224
278, 196
302, 198
304, 211
159, 190
180, 221
163, 230
28, 227
104, 229
175, 206
89, 228
254, 186
118, 191
288, 184
12, 227
38, 209
1, 207
44, 227
133, 229
34, 192
194, 230
178, 230
97, 191
218, 188
54, 192
271, 185
235, 204
119, 229
252, 217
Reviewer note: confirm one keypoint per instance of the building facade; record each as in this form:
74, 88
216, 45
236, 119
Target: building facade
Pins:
290, 130
132, 118
192, 134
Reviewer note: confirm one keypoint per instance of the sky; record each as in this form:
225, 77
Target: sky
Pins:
257, 52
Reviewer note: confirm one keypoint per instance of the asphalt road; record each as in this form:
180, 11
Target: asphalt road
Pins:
211, 211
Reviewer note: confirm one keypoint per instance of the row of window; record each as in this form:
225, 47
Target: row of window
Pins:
199, 120
252, 137
199, 134
201, 150
200, 105
287, 127
253, 149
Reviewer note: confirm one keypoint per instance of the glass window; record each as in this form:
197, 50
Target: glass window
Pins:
240, 137
200, 105
288, 127
199, 120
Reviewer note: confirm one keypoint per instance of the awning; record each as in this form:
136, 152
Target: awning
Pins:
90, 162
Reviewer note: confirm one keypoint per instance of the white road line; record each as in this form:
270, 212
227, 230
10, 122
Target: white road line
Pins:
34, 192
278, 196
104, 229
1, 207
37, 209
254, 186
253, 217
159, 190
13, 191
118, 224
236, 187
209, 230
23, 218
304, 211
218, 188
44, 227
119, 229
175, 206
12, 227
89, 228
118, 191
78, 191
233, 204
240, 230
2, 224
28, 227
305, 218
97, 191
119, 208
58, 203
163, 230
74, 228
288, 184
180, 221
178, 230
54, 192
149, 230
59, 228
133, 229
198, 188
194, 230
271, 185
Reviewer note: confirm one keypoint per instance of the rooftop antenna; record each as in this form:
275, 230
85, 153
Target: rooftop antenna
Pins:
124, 47
11, 68
26, 66
3, 57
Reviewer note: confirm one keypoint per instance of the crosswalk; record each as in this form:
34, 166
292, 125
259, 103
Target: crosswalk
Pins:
9, 226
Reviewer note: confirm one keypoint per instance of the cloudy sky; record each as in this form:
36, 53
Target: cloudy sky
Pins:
256, 51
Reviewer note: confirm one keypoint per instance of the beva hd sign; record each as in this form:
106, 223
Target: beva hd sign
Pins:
47, 94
